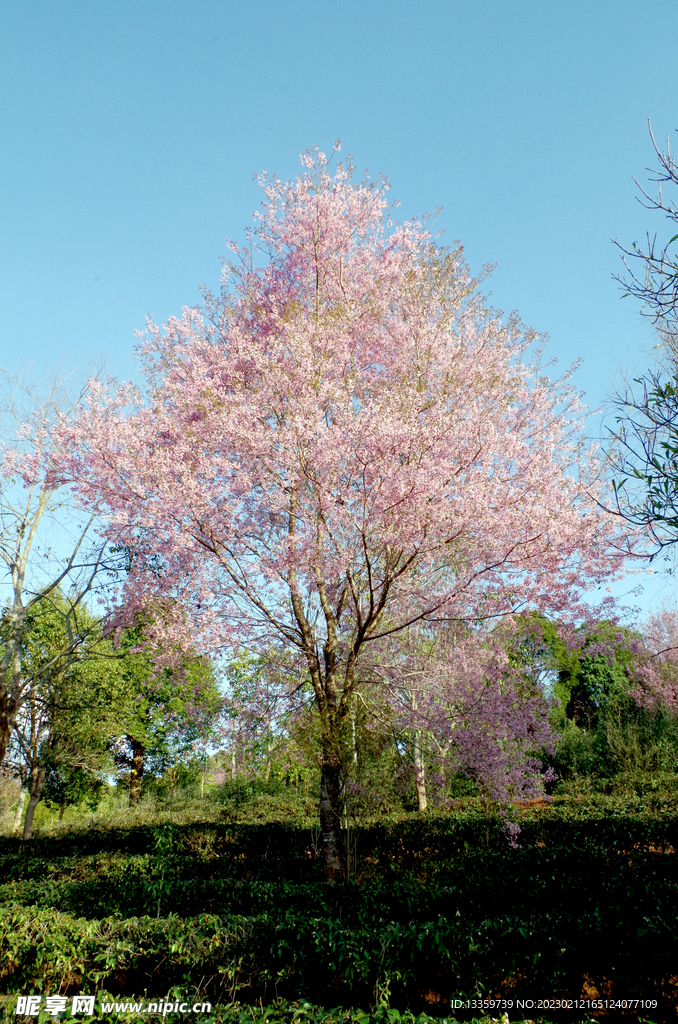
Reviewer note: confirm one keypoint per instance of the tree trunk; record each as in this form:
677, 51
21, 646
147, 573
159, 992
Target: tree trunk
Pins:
354, 747
61, 810
10, 689
11, 676
19, 813
36, 793
419, 773
137, 772
6, 725
267, 772
330, 821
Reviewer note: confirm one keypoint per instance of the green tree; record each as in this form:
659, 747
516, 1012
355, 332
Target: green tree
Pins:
68, 714
605, 732
166, 715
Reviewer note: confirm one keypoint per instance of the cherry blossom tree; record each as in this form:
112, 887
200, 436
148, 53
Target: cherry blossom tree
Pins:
345, 443
461, 690
656, 668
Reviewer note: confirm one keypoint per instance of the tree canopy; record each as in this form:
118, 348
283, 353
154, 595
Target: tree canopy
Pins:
344, 445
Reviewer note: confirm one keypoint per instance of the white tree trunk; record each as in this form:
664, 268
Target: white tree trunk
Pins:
419, 773
19, 813
353, 740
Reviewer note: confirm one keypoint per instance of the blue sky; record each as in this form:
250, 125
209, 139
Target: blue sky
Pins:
130, 133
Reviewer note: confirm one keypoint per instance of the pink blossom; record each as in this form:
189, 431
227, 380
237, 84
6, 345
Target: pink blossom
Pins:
343, 443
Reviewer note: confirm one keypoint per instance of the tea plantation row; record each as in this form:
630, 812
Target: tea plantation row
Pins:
439, 910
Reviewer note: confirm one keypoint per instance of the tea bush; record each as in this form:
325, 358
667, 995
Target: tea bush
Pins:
439, 909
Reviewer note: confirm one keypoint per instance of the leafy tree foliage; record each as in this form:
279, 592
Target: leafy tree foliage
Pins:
167, 715
82, 706
615, 726
68, 717
644, 456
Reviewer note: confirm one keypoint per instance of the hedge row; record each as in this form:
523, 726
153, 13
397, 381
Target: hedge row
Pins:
420, 964
630, 876
524, 884
276, 850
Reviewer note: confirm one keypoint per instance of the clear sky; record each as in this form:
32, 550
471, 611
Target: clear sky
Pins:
130, 133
